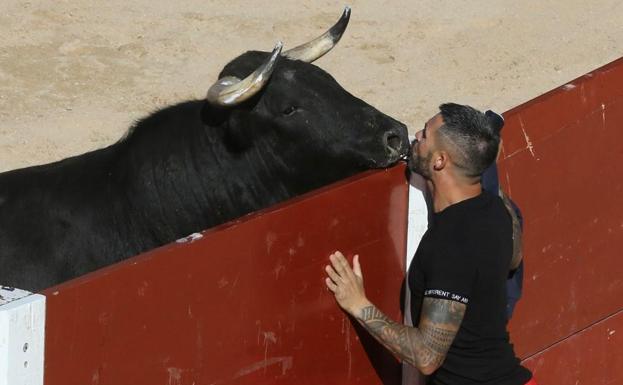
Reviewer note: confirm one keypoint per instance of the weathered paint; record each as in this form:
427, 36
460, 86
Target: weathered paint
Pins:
561, 162
244, 304
591, 356
22, 328
10, 294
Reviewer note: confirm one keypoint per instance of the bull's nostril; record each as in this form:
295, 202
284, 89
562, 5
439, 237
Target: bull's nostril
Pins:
394, 142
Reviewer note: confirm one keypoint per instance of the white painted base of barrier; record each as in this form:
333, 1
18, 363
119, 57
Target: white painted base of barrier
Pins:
22, 337
416, 227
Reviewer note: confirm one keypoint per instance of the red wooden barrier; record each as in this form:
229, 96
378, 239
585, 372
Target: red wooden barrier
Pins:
245, 304
561, 162
591, 356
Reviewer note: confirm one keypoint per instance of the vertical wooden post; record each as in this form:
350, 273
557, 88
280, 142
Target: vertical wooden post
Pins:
22, 333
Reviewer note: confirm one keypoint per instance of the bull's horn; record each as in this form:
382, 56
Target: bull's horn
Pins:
316, 48
230, 91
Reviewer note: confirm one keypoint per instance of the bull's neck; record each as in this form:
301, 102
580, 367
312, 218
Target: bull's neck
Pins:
190, 185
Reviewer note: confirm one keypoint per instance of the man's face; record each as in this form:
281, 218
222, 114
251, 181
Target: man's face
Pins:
422, 147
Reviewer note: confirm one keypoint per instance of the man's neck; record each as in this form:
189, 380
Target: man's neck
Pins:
447, 192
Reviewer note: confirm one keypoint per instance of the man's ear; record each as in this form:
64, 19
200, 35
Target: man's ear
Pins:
440, 160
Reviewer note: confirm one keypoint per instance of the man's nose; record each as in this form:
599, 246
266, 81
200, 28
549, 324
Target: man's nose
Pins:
418, 135
416, 138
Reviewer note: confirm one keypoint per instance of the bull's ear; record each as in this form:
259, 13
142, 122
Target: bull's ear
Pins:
238, 132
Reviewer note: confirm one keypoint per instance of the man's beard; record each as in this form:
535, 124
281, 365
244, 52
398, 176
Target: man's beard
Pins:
419, 165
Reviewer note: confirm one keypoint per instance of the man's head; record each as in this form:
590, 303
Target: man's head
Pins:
459, 139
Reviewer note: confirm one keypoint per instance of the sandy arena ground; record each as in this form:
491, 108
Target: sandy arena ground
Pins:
74, 74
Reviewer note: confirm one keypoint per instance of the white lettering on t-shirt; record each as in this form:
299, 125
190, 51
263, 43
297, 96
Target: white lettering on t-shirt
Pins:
445, 294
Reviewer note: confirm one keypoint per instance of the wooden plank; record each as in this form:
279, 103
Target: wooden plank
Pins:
590, 357
561, 164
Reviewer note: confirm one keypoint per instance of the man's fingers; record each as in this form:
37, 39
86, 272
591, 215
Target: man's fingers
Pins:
332, 286
335, 261
335, 277
341, 265
338, 254
357, 266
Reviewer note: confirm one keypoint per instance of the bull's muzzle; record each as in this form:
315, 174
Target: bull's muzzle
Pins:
397, 145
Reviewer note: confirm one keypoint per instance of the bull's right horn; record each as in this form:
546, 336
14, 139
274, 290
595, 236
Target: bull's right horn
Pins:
316, 48
230, 91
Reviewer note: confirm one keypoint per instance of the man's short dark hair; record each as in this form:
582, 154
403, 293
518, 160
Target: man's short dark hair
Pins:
470, 136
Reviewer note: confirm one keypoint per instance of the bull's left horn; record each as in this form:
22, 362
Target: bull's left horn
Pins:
230, 91
316, 48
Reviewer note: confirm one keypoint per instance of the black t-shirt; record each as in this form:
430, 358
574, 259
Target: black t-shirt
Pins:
465, 256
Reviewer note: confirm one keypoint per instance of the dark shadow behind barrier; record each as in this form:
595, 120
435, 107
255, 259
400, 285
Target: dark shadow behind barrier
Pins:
388, 369
244, 304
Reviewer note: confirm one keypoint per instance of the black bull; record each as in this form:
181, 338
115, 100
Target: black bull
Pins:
285, 129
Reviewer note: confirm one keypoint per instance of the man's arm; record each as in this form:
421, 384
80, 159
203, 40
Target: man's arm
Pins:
424, 347
517, 232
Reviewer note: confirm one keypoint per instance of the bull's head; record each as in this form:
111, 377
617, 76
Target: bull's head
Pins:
282, 95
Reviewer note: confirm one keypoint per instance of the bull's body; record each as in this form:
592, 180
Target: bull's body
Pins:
186, 168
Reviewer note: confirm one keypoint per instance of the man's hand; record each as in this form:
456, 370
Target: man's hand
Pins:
424, 347
346, 283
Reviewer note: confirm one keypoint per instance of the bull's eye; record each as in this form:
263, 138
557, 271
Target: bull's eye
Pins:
289, 110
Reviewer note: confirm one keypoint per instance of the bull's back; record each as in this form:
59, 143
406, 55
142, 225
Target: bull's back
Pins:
46, 213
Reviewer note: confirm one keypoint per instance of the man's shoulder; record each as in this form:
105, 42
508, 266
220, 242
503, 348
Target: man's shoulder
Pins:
491, 212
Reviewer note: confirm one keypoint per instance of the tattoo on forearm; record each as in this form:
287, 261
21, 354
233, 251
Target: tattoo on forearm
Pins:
391, 334
438, 340
424, 347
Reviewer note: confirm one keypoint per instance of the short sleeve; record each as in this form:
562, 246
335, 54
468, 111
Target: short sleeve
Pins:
451, 274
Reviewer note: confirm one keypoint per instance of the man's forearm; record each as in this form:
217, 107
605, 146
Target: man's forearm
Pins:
424, 347
408, 343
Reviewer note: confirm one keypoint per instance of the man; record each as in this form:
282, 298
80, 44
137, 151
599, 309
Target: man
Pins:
458, 275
